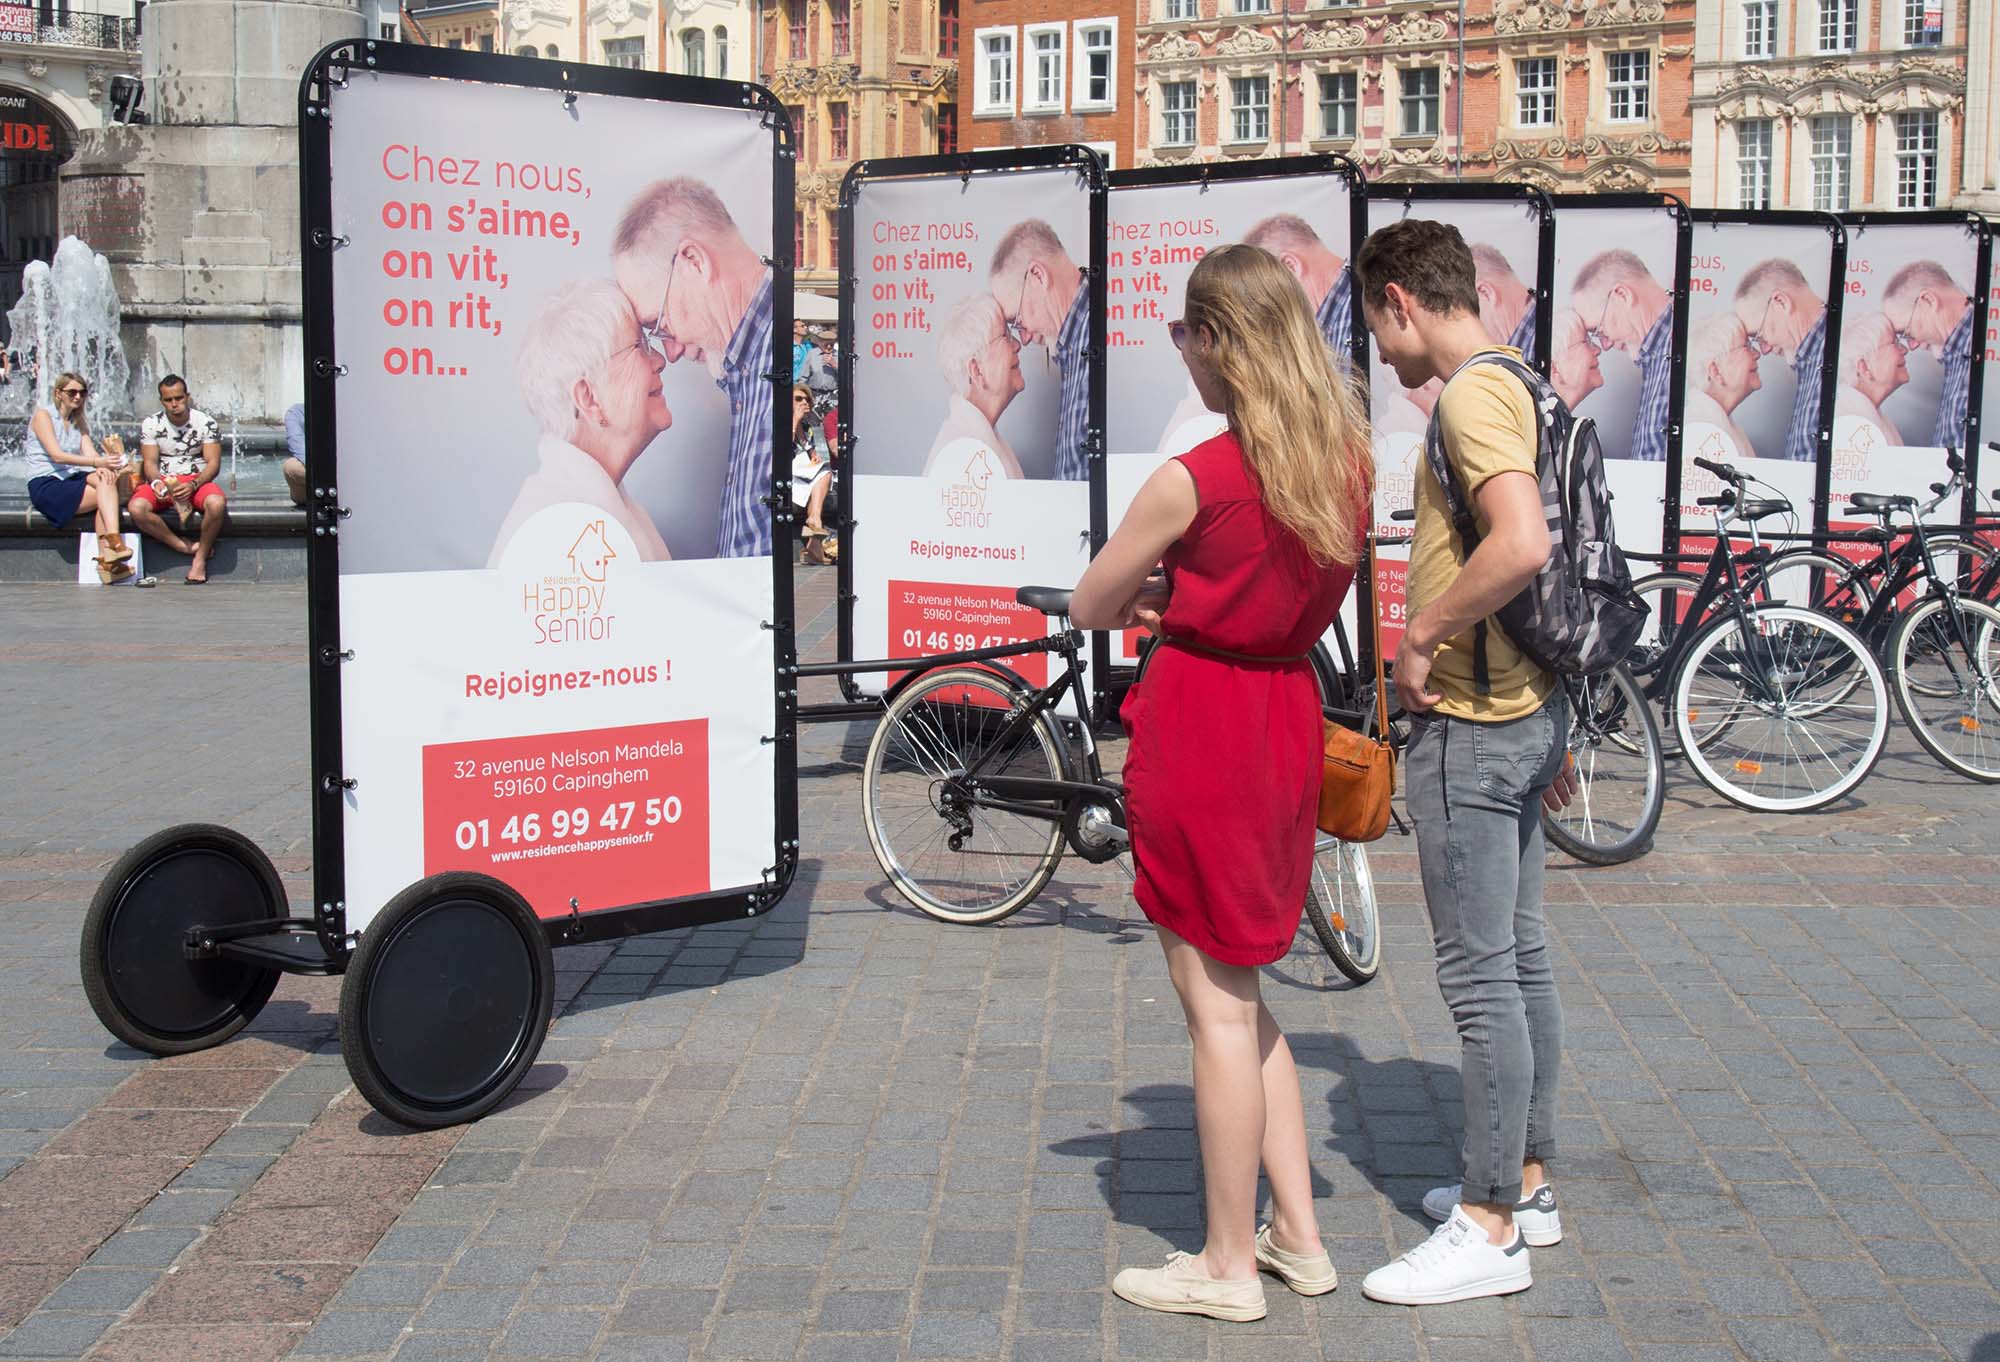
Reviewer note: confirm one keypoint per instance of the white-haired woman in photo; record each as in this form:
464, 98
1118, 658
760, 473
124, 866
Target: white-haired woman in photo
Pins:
593, 385
982, 363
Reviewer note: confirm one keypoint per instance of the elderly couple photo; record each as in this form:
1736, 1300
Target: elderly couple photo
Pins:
1035, 295
685, 286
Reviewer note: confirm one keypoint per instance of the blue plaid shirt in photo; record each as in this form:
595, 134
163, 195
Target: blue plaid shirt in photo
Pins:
1523, 338
1336, 318
746, 368
1656, 381
1802, 436
1072, 356
1956, 394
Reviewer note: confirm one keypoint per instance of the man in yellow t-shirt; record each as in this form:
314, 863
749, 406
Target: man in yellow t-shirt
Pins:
1481, 762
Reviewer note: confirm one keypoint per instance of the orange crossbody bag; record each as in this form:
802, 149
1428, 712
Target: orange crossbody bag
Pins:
1358, 773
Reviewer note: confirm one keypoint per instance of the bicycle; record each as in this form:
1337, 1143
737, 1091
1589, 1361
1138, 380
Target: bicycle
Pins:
1616, 755
972, 791
1766, 698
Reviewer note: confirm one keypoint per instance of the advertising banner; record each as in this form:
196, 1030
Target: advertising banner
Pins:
1762, 345
1158, 232
1612, 350
971, 384
554, 323
1505, 234
1909, 321
1986, 464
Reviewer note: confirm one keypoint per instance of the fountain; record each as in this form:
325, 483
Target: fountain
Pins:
67, 320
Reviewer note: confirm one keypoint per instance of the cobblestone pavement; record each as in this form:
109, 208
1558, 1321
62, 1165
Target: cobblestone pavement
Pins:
844, 1131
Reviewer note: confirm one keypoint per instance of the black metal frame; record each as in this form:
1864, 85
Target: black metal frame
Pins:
1677, 394
961, 166
1982, 233
328, 72
1830, 361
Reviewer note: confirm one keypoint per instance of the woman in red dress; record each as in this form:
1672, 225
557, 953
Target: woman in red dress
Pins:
1259, 530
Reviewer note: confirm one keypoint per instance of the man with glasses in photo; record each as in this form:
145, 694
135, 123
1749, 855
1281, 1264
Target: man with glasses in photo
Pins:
1326, 278
1783, 316
1624, 308
1506, 305
1044, 302
1931, 312
700, 291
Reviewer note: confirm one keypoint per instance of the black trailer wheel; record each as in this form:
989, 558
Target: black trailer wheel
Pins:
136, 972
446, 1000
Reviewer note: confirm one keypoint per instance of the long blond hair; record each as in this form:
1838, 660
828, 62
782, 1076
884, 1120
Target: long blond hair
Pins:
1301, 422
63, 380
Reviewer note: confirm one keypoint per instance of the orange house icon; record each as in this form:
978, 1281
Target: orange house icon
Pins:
591, 551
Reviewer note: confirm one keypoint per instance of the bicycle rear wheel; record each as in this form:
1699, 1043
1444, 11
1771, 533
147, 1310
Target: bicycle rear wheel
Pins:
1621, 773
1947, 681
1771, 714
1340, 904
951, 852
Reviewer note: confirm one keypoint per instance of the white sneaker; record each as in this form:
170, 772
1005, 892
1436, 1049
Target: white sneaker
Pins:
1540, 1222
1457, 1263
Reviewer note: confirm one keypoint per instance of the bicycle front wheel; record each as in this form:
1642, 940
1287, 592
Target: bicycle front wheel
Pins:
1621, 773
1771, 713
1340, 904
1947, 678
953, 852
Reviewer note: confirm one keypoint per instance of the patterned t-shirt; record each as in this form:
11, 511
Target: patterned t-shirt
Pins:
179, 446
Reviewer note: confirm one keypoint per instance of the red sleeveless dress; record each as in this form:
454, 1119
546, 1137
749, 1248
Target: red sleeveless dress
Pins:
1222, 772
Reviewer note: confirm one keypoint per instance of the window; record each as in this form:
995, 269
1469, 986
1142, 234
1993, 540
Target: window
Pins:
833, 237
693, 45
1253, 6
1177, 113
1420, 87
1760, 29
1923, 23
995, 91
721, 52
1096, 46
1045, 73
455, 43
486, 42
1628, 86
1839, 23
836, 131
550, 52
947, 28
526, 50
1179, 9
1339, 101
947, 127
796, 38
843, 26
1917, 159
1753, 163
1535, 92
1832, 170
799, 241
1250, 109
629, 53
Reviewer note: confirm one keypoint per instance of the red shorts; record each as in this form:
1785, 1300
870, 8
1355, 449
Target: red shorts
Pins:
144, 492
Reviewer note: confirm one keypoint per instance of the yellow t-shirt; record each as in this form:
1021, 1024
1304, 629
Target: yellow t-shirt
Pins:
1488, 422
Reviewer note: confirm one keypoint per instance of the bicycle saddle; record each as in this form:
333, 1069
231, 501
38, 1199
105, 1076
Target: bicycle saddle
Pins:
1050, 600
1875, 503
1759, 507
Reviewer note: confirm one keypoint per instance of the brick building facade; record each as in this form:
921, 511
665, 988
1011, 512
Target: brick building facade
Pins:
1842, 104
1567, 94
862, 78
1050, 71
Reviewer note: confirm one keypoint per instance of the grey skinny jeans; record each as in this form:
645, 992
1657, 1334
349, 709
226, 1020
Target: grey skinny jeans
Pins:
1475, 795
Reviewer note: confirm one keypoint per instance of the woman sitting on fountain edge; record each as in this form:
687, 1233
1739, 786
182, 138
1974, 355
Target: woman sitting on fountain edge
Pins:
67, 475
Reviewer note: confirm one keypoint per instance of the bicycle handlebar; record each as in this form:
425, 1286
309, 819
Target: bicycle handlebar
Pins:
1721, 470
1721, 501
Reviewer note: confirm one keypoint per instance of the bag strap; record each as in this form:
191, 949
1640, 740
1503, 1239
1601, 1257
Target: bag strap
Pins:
1375, 628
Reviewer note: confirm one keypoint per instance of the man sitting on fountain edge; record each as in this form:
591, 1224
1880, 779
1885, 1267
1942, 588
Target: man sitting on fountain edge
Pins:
182, 456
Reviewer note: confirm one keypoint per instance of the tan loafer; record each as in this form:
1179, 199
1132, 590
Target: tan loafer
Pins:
1309, 1276
1181, 1288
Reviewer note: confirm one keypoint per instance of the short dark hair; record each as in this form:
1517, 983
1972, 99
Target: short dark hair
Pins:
169, 382
1428, 260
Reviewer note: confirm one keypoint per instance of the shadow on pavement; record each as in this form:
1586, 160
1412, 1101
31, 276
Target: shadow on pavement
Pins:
1386, 1122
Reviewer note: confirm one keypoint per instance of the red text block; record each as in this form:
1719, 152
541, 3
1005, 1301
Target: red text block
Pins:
939, 617
609, 817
